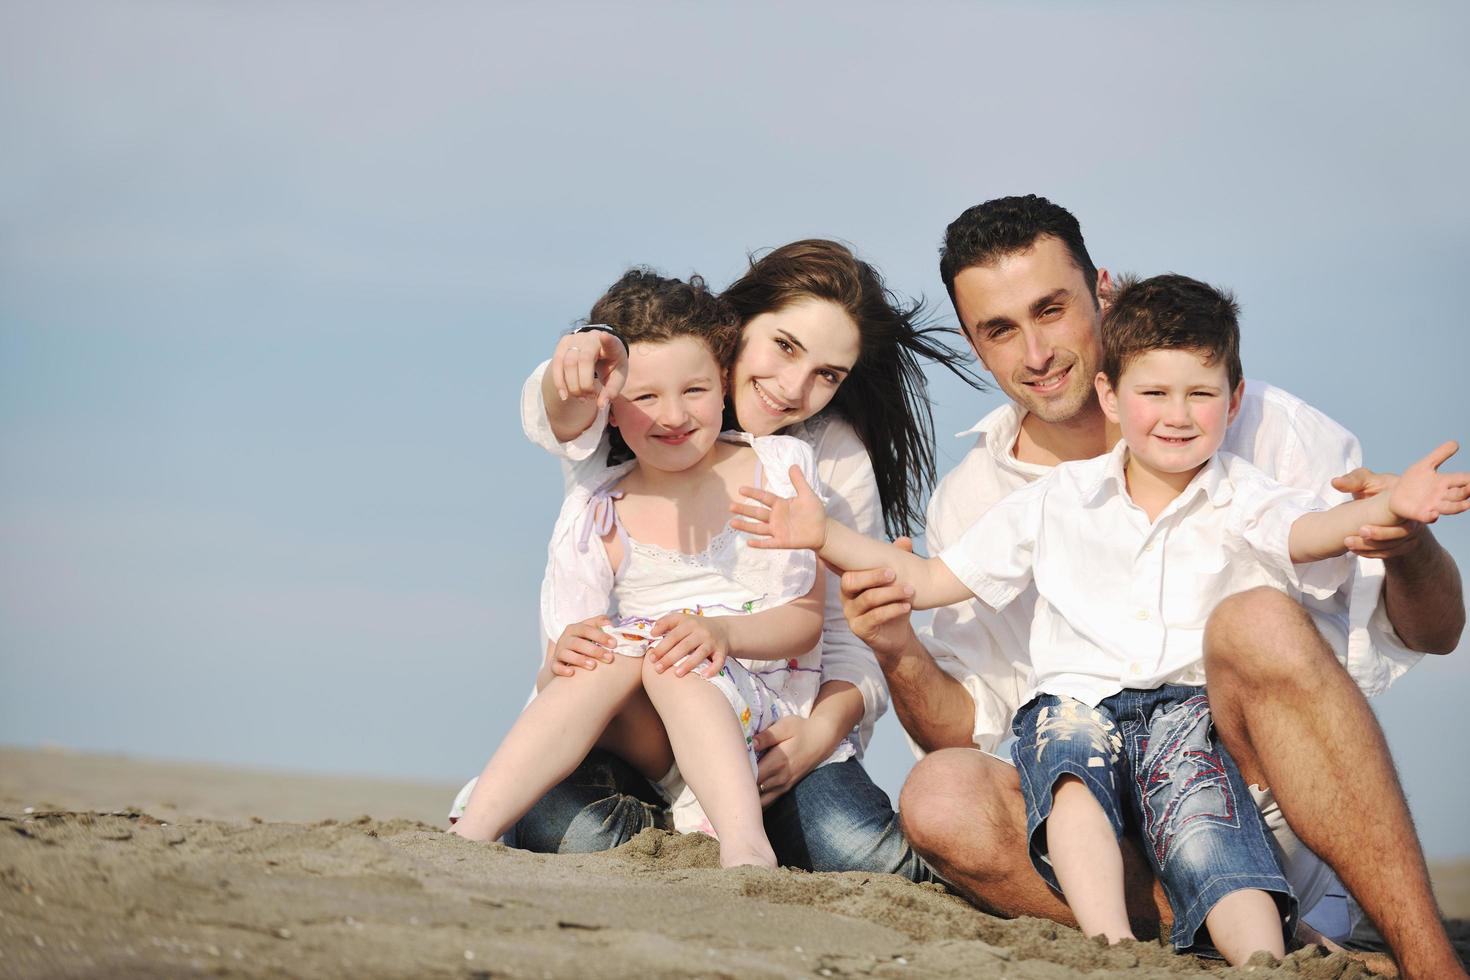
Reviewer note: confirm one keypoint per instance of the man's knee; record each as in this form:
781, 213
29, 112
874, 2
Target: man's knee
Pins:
957, 799
1263, 637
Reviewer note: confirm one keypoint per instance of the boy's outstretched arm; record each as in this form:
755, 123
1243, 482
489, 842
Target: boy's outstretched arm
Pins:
1422, 494
802, 522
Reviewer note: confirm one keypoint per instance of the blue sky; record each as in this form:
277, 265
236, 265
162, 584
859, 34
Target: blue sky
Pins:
271, 274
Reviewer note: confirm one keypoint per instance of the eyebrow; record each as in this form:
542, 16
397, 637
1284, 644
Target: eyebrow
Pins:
791, 339
1037, 306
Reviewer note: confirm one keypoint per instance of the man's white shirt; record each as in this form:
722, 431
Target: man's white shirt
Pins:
989, 652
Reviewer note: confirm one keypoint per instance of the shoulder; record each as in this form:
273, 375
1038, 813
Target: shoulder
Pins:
1288, 439
782, 449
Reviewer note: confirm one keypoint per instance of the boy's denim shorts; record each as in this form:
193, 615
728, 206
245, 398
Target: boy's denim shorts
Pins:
1152, 761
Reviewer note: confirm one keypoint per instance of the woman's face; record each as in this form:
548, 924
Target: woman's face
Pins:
790, 364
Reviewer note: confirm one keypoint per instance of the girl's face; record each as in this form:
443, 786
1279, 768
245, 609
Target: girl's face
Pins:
670, 409
790, 364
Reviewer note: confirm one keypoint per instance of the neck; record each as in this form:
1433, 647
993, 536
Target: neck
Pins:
1152, 490
1082, 436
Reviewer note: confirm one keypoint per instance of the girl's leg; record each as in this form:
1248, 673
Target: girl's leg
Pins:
552, 735
1087, 861
1245, 922
710, 750
636, 735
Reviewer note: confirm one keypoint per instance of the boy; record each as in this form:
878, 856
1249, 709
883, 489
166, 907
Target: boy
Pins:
1165, 527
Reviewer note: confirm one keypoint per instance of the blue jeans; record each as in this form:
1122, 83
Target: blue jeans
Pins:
1153, 763
834, 819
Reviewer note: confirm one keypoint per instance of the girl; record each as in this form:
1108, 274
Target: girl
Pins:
678, 584
828, 355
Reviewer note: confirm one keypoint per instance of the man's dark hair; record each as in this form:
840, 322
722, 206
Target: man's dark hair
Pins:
1007, 225
1171, 312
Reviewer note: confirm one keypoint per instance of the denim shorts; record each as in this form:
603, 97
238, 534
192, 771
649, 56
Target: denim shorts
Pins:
1152, 761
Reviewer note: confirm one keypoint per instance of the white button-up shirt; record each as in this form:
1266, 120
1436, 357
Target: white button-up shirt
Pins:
989, 652
1122, 601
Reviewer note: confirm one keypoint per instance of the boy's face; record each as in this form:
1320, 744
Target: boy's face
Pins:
1173, 408
670, 409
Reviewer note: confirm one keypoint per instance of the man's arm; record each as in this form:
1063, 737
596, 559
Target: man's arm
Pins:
1422, 592
933, 707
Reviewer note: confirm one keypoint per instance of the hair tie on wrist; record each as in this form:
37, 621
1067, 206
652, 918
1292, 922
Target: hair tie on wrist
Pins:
605, 329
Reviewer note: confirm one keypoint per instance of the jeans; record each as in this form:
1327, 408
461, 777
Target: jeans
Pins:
1151, 759
834, 819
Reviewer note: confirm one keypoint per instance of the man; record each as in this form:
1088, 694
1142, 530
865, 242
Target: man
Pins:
1286, 681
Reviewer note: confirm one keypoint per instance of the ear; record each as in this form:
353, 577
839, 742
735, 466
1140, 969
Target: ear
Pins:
1106, 397
1104, 289
1235, 397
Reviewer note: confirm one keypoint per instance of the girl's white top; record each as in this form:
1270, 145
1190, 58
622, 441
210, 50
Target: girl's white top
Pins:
846, 474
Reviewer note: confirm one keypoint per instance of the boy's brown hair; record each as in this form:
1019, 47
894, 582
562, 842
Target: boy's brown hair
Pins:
1171, 312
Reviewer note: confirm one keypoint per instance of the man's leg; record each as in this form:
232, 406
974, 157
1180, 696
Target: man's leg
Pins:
1296, 722
837, 819
605, 802
962, 810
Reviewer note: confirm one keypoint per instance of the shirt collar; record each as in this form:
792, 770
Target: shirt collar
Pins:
998, 432
1212, 480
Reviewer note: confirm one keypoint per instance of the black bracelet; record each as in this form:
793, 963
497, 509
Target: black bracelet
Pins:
605, 329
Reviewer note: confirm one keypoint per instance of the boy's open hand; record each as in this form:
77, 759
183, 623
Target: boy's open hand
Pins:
1424, 494
593, 364
796, 522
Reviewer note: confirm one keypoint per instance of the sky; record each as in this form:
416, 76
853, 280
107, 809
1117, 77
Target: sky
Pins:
271, 275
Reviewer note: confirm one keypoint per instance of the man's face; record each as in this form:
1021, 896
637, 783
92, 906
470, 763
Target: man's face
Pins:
1035, 327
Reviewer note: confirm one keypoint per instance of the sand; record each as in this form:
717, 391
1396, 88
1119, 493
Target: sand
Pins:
125, 868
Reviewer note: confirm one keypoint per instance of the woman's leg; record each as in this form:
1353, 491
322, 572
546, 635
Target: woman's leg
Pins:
548, 740
710, 749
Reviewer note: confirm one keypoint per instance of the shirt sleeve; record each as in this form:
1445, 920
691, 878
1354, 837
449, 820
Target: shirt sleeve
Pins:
995, 556
537, 426
1262, 519
846, 471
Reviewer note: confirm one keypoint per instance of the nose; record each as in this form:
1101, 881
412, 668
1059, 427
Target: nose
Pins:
795, 381
1038, 349
672, 413
1176, 413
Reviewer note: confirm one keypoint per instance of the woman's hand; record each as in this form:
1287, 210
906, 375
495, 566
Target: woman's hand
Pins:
795, 522
582, 645
590, 364
793, 747
702, 639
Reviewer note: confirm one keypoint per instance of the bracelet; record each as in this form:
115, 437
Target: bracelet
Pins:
605, 329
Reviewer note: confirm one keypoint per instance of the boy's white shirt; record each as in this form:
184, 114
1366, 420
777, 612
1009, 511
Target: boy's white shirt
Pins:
846, 475
1122, 601
1291, 442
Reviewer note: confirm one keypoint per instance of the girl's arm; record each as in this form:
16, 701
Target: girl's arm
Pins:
1422, 494
586, 372
801, 522
771, 634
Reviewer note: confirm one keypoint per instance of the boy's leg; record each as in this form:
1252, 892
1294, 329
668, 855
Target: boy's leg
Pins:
1067, 754
548, 740
1201, 829
1296, 722
710, 749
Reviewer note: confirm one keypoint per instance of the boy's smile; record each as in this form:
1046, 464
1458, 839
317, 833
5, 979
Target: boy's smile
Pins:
1173, 408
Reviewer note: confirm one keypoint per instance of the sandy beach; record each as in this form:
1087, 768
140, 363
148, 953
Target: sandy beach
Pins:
115, 867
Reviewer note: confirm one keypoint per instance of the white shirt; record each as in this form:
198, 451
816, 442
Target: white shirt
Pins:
846, 474
989, 653
1122, 602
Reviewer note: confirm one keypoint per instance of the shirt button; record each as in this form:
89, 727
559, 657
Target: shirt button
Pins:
1133, 669
1148, 547
1141, 614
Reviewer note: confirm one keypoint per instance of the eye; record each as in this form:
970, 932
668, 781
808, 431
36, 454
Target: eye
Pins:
995, 333
1151, 393
785, 345
695, 390
643, 398
1051, 312
829, 376
1202, 394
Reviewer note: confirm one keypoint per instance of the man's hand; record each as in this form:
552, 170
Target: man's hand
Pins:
699, 638
591, 364
795, 522
582, 645
877, 609
793, 747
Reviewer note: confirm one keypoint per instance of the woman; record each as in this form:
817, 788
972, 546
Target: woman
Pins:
828, 355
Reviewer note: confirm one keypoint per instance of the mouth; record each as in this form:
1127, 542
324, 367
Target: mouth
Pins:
771, 405
674, 438
1050, 384
1176, 440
